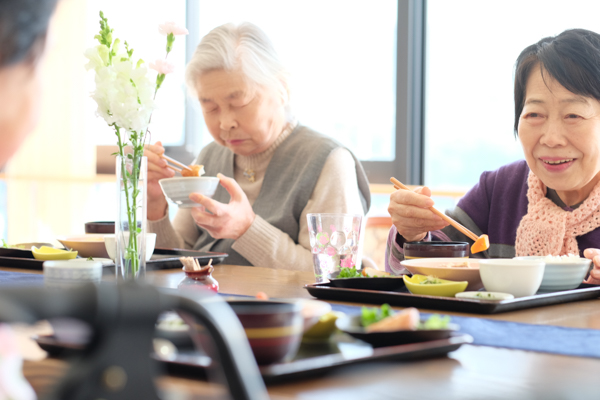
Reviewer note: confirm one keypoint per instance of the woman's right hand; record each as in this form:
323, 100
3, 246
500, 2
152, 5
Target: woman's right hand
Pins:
157, 169
411, 215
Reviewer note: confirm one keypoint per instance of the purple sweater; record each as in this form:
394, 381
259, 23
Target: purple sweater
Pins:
494, 206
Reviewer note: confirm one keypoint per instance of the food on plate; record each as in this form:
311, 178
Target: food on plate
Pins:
372, 315
196, 170
405, 320
485, 295
431, 280
435, 322
324, 327
374, 273
385, 320
365, 273
349, 273
464, 264
558, 259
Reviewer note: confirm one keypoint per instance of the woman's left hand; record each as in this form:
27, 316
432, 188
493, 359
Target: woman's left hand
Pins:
227, 221
594, 255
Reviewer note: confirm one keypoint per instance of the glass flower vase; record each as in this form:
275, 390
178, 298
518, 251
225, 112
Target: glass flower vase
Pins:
130, 224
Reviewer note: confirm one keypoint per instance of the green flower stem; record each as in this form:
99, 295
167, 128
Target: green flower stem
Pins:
131, 252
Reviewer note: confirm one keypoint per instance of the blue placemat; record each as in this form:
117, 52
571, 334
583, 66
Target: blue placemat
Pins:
519, 336
20, 279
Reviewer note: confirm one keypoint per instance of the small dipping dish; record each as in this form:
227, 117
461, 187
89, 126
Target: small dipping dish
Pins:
435, 249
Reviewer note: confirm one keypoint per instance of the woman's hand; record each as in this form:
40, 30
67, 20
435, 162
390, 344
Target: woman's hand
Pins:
411, 215
594, 255
227, 221
157, 169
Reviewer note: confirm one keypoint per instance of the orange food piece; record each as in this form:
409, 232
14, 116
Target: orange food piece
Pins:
262, 296
405, 320
481, 244
194, 172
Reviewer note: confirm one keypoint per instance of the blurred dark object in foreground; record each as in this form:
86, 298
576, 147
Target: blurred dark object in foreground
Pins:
116, 363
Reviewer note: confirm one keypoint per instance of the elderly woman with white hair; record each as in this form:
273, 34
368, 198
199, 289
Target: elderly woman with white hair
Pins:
272, 170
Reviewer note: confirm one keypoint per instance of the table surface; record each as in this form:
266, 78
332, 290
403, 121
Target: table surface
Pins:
471, 372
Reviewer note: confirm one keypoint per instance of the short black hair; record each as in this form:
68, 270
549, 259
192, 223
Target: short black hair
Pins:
571, 58
23, 28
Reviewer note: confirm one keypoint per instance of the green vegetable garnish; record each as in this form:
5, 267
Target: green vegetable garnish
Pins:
431, 280
89, 259
4, 244
484, 295
349, 273
372, 315
435, 322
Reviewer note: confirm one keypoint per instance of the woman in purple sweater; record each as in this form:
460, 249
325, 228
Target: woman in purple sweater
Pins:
549, 203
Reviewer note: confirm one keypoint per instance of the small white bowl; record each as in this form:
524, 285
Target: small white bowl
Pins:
518, 277
562, 273
111, 245
178, 190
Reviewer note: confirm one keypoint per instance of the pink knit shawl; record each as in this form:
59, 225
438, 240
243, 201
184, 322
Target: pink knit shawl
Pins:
547, 229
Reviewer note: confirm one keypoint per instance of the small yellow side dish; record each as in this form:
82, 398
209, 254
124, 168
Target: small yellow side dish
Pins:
50, 253
421, 284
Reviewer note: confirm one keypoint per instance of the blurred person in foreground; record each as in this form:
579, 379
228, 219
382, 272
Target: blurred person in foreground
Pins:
23, 30
549, 203
272, 170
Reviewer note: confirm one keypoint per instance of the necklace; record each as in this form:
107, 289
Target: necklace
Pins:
249, 174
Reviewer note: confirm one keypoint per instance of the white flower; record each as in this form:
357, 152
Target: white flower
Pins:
98, 57
162, 66
124, 95
172, 27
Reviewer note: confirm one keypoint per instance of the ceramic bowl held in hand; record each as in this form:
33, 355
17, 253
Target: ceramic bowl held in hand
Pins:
518, 277
273, 328
562, 272
178, 190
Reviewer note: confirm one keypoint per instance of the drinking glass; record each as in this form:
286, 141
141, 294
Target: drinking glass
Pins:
335, 242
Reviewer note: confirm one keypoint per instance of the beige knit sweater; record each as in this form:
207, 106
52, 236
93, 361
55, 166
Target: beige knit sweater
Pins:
263, 244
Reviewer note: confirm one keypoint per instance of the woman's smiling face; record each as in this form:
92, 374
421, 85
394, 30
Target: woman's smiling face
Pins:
560, 135
245, 118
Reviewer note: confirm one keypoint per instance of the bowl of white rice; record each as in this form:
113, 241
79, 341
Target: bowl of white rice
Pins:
562, 272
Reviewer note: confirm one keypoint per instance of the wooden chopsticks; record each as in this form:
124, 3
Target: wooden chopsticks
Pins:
462, 229
182, 165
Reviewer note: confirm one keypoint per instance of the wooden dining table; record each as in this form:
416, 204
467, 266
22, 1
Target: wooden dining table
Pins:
471, 372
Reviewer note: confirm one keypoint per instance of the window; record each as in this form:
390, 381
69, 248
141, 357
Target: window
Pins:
342, 57
471, 49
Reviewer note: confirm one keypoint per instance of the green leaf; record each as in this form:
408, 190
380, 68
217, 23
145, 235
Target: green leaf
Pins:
372, 315
435, 322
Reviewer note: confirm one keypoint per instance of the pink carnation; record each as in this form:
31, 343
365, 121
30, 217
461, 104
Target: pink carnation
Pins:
172, 27
162, 66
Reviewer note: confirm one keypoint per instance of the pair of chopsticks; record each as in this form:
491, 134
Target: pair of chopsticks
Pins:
172, 160
481, 242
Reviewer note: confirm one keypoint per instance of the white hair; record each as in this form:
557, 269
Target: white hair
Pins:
243, 47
